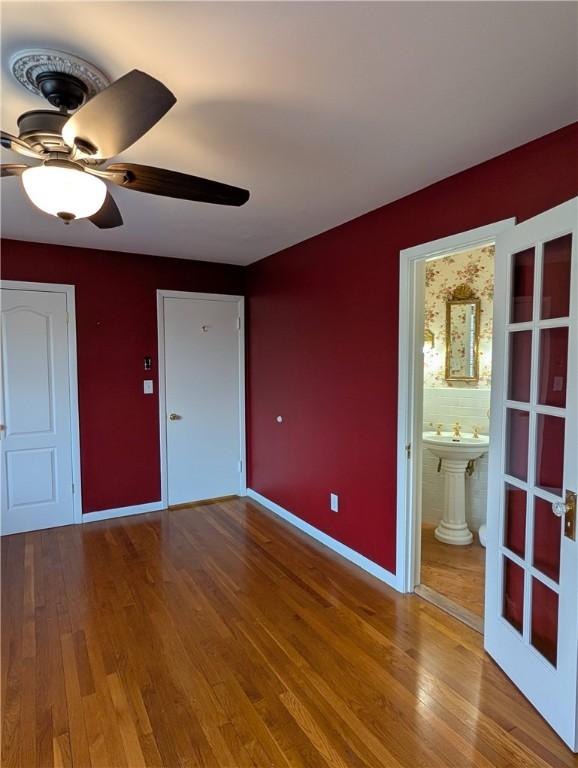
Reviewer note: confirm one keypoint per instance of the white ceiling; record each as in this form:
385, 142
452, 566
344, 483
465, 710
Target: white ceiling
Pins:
323, 110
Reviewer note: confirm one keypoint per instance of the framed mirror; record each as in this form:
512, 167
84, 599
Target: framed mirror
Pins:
462, 335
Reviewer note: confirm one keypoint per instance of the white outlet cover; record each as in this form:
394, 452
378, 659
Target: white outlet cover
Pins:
334, 502
148, 386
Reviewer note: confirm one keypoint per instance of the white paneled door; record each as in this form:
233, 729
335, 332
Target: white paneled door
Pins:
531, 619
202, 356
36, 444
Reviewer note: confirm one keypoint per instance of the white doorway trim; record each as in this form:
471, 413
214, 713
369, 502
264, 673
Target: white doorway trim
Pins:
161, 295
410, 385
69, 291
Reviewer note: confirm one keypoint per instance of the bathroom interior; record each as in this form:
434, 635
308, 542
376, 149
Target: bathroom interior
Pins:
456, 407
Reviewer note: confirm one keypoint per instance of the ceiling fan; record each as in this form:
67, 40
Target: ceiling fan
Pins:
70, 182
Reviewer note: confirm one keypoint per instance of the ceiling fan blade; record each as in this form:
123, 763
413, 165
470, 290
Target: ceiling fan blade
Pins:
158, 181
108, 216
116, 117
17, 145
13, 170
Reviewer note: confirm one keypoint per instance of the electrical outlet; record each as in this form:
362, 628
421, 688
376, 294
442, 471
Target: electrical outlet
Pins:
334, 502
148, 386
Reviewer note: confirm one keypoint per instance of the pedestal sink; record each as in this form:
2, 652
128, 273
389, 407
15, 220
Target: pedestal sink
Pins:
455, 453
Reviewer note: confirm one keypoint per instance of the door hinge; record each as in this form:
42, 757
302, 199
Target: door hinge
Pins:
240, 466
408, 450
239, 323
67, 317
72, 487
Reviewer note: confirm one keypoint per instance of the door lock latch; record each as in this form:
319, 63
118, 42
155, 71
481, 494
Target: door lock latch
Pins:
570, 517
567, 510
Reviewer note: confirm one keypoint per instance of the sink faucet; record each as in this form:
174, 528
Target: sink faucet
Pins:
476, 431
439, 429
457, 433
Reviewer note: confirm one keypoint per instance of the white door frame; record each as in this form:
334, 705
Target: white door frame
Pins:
240, 301
69, 291
410, 386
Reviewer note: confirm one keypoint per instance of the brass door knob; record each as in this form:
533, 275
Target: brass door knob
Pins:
174, 417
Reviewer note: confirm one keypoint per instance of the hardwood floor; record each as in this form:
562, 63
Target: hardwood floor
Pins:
455, 572
219, 636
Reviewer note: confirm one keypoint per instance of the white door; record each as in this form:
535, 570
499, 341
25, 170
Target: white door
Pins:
202, 394
531, 621
36, 426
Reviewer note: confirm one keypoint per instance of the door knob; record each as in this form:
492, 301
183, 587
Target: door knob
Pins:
174, 417
559, 508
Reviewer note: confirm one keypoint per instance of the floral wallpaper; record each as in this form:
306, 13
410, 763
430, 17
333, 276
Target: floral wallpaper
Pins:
442, 276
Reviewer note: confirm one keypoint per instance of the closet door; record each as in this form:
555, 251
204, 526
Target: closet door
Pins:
36, 437
202, 347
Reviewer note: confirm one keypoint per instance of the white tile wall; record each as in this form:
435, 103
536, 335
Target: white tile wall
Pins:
445, 405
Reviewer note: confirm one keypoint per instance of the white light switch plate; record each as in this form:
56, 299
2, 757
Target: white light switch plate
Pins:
334, 502
148, 386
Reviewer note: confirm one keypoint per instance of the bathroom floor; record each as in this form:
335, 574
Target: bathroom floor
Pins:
457, 573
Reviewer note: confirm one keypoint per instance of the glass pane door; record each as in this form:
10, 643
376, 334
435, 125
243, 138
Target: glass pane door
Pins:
531, 623
535, 420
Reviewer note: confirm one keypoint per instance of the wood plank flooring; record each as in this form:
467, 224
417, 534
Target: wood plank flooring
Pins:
218, 636
457, 573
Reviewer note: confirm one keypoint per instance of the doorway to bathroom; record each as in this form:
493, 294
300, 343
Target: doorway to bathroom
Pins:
446, 368
457, 367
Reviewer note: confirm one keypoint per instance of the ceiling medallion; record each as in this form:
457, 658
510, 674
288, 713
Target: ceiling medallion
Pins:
27, 66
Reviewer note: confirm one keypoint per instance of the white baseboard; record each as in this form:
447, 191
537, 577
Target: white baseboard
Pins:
137, 509
349, 554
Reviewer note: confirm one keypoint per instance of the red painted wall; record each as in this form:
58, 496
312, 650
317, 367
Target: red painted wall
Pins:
116, 328
323, 323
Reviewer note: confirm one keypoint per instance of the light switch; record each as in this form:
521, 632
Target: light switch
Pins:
334, 502
148, 386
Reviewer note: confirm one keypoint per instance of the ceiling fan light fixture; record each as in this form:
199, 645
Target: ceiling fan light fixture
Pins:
63, 190
106, 121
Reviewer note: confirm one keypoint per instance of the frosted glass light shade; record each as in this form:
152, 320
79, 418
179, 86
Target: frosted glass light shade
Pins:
68, 191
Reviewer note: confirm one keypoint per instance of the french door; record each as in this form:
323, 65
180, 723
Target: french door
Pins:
531, 621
